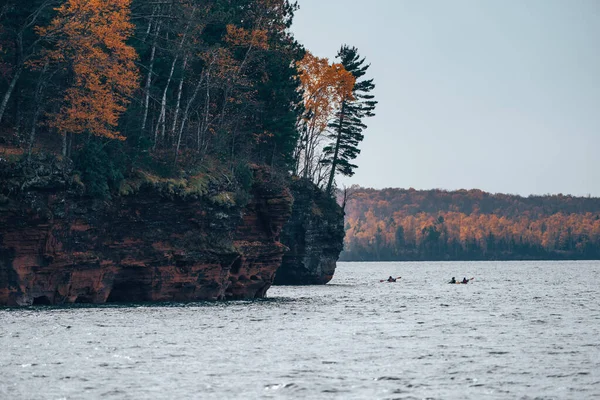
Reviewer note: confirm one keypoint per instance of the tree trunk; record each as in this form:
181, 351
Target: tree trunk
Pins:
9, 90
149, 78
36, 115
179, 91
150, 24
21, 56
206, 107
38, 96
163, 106
64, 145
70, 145
17, 97
163, 109
336, 152
185, 116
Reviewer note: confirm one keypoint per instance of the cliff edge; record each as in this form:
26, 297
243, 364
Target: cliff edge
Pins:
314, 236
159, 240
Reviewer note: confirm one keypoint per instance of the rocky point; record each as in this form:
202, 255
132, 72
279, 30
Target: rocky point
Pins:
159, 240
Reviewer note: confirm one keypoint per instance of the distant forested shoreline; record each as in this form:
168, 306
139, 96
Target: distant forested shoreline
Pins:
433, 225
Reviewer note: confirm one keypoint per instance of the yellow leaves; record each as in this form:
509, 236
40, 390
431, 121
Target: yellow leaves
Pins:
91, 41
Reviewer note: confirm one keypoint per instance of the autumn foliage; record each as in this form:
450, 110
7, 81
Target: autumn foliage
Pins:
242, 37
181, 85
90, 43
396, 224
324, 87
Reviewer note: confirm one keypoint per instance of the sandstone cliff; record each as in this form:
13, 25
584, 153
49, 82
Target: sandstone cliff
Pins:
314, 236
160, 240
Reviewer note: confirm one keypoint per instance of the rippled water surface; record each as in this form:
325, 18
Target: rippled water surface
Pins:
519, 330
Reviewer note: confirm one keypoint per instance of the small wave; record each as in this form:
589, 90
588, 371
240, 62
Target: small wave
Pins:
279, 386
335, 390
583, 373
388, 378
115, 392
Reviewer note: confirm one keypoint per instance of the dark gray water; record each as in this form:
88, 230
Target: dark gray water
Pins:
520, 330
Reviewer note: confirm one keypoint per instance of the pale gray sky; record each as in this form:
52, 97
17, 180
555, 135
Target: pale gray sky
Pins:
502, 96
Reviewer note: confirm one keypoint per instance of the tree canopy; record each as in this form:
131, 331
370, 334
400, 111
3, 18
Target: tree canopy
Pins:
347, 126
400, 224
175, 86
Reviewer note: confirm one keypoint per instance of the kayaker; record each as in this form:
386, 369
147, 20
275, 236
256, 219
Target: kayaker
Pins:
453, 280
390, 279
465, 280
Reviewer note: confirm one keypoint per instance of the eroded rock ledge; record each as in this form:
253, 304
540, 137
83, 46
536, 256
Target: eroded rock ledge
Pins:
161, 240
314, 235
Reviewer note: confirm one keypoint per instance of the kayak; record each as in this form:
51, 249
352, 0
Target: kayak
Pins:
461, 282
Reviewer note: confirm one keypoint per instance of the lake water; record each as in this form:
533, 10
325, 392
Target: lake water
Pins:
519, 330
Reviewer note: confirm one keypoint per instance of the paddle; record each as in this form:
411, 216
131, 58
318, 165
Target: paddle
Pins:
468, 280
385, 280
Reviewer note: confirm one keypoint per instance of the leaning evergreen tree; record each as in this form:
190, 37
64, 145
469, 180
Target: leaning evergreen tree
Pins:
347, 126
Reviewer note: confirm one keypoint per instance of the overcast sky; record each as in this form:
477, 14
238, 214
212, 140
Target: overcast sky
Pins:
502, 96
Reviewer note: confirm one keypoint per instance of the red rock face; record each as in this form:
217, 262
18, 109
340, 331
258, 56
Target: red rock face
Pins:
57, 247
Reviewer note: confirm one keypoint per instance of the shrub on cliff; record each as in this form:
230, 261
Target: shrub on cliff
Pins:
100, 167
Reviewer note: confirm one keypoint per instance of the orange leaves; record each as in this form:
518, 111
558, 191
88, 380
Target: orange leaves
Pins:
256, 38
557, 226
325, 86
221, 63
91, 43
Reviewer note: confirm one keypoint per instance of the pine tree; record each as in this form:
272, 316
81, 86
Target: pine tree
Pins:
324, 87
347, 127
